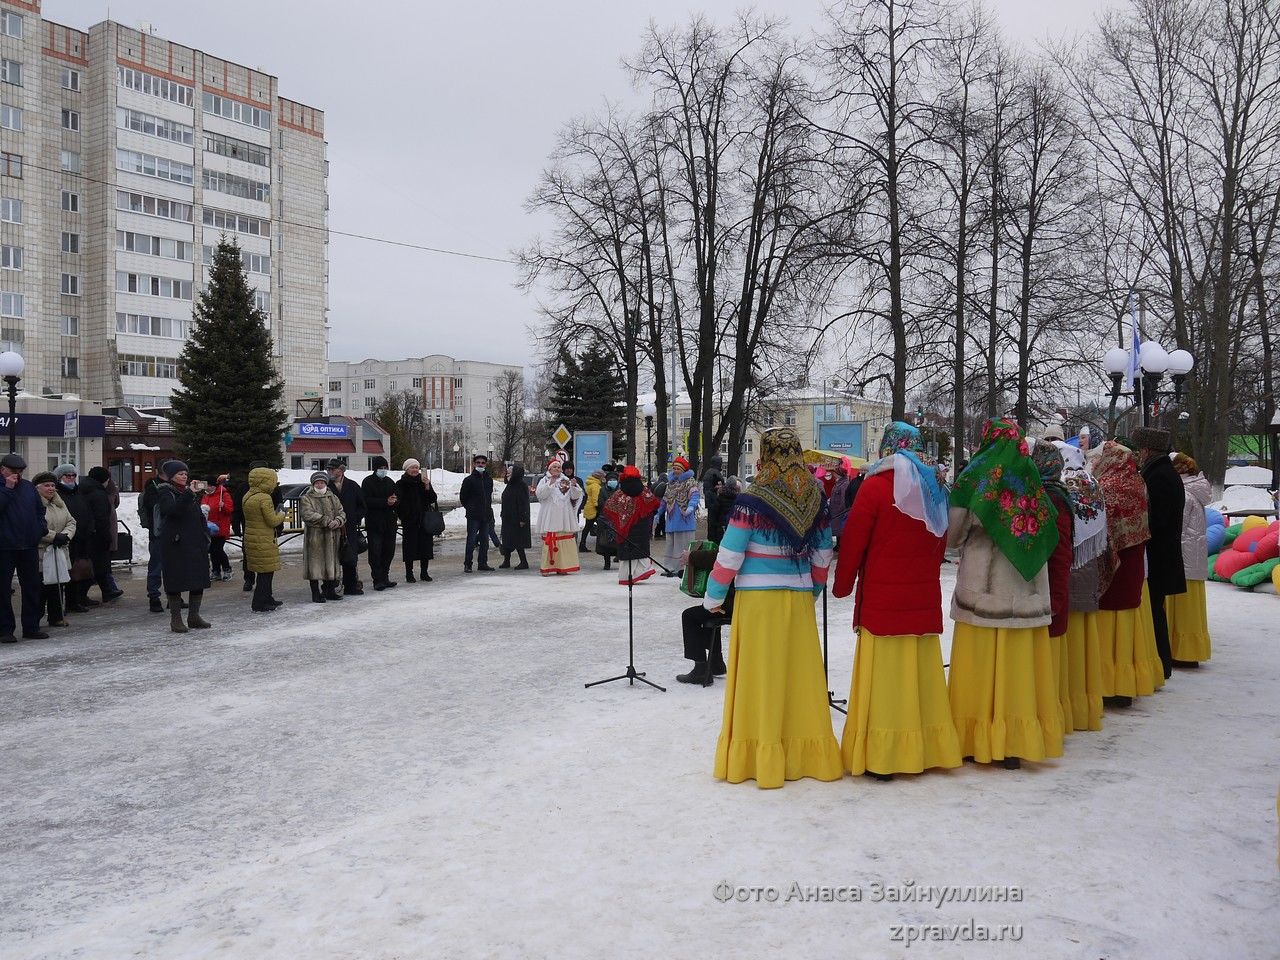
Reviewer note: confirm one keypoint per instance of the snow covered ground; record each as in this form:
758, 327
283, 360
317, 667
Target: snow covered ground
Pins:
421, 774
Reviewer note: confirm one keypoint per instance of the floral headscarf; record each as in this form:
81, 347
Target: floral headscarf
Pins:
1002, 488
784, 495
1125, 494
1089, 531
916, 490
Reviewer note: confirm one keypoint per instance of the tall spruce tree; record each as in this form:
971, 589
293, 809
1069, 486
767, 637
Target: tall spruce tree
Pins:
228, 413
588, 395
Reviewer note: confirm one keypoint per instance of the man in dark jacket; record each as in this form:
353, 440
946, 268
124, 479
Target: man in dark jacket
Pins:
352, 501
712, 477
380, 522
82, 544
150, 522
476, 496
22, 525
1165, 497
95, 494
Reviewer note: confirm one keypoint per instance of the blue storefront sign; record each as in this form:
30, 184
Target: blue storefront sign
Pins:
842, 437
591, 451
327, 430
53, 425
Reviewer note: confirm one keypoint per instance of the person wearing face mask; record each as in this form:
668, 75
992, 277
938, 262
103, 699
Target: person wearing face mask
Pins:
606, 535
380, 522
476, 497
323, 521
81, 547
184, 557
414, 497
516, 533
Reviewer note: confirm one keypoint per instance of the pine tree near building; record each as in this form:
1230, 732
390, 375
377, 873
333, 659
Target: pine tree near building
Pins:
588, 395
228, 413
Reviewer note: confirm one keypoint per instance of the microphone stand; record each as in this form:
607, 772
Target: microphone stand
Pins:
832, 702
631, 676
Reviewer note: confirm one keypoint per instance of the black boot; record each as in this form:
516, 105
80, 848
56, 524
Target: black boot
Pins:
426, 577
506, 562
1012, 763
408, 574
718, 666
524, 562
330, 590
316, 596
882, 777
607, 564
156, 605
700, 674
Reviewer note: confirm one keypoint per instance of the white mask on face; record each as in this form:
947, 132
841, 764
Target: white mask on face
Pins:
381, 473
479, 469
320, 488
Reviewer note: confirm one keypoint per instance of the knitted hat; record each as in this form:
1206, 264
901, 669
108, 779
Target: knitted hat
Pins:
410, 463
44, 477
101, 474
13, 462
65, 470
680, 463
630, 473
170, 467
320, 475
1152, 438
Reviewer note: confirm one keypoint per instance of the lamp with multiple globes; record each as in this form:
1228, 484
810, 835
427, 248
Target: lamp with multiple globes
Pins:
650, 411
1154, 362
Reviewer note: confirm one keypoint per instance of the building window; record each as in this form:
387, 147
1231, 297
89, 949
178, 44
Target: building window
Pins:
237, 149
12, 305
71, 367
71, 120
154, 246
457, 382
236, 222
70, 326
60, 451
153, 126
237, 111
10, 117
262, 301
70, 161
155, 86
162, 168
751, 445
370, 402
11, 72
70, 242
134, 365
70, 285
11, 165
370, 384
11, 25
335, 386
70, 201
253, 262
149, 286
146, 326
11, 210
153, 206
234, 186
417, 383
335, 403
789, 419
70, 79
10, 258
11, 339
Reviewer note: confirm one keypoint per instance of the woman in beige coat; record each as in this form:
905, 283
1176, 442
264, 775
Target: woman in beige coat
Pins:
55, 559
323, 521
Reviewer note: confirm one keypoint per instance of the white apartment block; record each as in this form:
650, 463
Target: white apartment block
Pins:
460, 396
123, 159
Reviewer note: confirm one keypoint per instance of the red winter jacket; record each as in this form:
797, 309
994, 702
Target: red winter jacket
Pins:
896, 561
220, 504
1060, 568
1125, 592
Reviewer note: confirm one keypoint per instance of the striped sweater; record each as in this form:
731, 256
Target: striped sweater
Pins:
753, 558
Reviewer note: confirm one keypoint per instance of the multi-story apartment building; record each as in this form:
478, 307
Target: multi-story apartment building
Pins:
460, 397
124, 158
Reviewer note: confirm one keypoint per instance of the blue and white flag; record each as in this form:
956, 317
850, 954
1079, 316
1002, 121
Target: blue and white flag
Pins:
1135, 341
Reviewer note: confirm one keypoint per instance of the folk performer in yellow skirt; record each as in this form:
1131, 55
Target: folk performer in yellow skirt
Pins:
776, 550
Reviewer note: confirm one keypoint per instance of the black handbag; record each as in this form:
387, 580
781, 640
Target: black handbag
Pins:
433, 522
361, 543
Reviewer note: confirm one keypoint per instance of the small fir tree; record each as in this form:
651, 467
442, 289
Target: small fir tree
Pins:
587, 395
227, 413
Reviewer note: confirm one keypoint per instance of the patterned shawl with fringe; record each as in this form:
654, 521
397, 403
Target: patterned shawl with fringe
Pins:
784, 496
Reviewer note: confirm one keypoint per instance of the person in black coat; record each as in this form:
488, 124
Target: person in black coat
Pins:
352, 500
725, 498
606, 538
659, 488
712, 478
184, 545
1166, 496
379, 492
476, 497
22, 525
633, 547
414, 497
81, 546
517, 535
99, 500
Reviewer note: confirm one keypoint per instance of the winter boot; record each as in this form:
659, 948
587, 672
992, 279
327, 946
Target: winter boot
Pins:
700, 674
156, 605
316, 596
607, 564
330, 590
408, 574
718, 666
175, 614
506, 562
194, 620
423, 575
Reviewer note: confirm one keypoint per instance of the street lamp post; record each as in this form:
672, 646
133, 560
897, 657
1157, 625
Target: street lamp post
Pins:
650, 411
11, 367
1154, 362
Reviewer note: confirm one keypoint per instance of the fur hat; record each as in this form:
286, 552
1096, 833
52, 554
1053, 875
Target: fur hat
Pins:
44, 477
1152, 438
680, 463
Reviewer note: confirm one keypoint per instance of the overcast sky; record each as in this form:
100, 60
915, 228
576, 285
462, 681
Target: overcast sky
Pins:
439, 118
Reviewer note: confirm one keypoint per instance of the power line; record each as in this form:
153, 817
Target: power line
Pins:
305, 226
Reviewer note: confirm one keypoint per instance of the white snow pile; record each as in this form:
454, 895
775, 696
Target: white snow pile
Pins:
1247, 477
1245, 500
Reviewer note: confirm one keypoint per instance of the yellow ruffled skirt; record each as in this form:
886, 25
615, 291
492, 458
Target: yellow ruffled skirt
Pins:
1058, 651
1131, 664
777, 722
899, 716
1084, 671
1004, 701
1188, 616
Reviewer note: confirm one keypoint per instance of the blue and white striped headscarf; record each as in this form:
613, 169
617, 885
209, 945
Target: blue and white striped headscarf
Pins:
916, 490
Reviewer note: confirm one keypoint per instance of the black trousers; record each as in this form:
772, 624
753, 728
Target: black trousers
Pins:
101, 557
1162, 629
382, 553
262, 590
218, 560
52, 597
701, 633
26, 563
